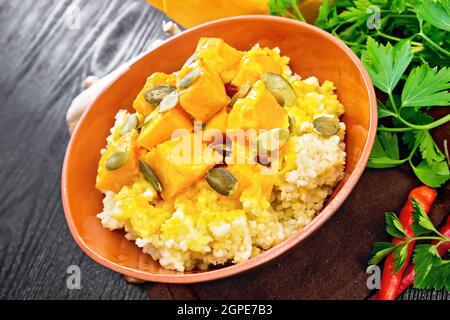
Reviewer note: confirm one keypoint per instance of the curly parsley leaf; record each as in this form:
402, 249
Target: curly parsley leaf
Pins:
431, 271
393, 226
436, 13
428, 148
383, 110
421, 223
434, 175
385, 152
285, 8
386, 63
360, 12
427, 86
380, 251
400, 256
398, 6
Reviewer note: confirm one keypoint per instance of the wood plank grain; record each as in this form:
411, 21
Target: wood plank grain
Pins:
42, 66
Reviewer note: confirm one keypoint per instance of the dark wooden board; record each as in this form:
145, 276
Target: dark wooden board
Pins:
42, 66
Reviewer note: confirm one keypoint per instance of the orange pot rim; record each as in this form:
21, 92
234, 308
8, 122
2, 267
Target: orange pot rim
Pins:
284, 246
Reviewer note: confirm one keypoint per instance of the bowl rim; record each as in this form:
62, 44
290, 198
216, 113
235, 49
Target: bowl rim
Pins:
274, 252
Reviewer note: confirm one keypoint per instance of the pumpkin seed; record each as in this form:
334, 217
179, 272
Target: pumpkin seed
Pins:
327, 126
222, 181
150, 176
156, 94
130, 124
242, 93
117, 160
280, 88
190, 60
169, 102
223, 149
189, 79
292, 124
149, 118
272, 140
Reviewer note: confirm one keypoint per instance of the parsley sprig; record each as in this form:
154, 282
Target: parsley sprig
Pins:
431, 271
407, 54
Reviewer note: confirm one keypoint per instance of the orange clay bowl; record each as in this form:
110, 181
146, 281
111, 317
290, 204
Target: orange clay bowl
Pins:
313, 52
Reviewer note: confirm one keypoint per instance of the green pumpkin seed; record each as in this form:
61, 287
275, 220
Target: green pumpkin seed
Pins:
130, 124
222, 181
150, 176
327, 126
272, 140
117, 160
222, 149
169, 102
191, 60
242, 93
189, 79
281, 89
156, 94
149, 118
292, 124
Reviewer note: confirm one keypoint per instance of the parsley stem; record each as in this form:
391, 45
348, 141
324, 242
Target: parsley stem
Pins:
411, 155
391, 98
297, 11
423, 238
442, 241
412, 127
434, 44
429, 126
387, 36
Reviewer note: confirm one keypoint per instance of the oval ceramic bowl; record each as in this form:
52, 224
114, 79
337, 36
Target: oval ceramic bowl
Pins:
313, 52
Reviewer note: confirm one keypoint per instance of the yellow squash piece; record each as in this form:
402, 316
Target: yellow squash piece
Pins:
219, 57
249, 175
157, 79
180, 162
163, 125
219, 121
257, 61
114, 180
259, 110
206, 95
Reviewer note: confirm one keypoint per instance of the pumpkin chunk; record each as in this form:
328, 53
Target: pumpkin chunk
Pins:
202, 92
259, 110
145, 107
219, 57
127, 173
257, 61
163, 125
249, 175
180, 162
219, 121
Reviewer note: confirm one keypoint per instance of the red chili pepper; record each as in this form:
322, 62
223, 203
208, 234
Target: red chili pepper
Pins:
390, 281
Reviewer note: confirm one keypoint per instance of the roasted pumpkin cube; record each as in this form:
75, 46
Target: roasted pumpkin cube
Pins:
128, 172
249, 175
143, 106
258, 110
202, 92
219, 57
219, 121
162, 127
180, 162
